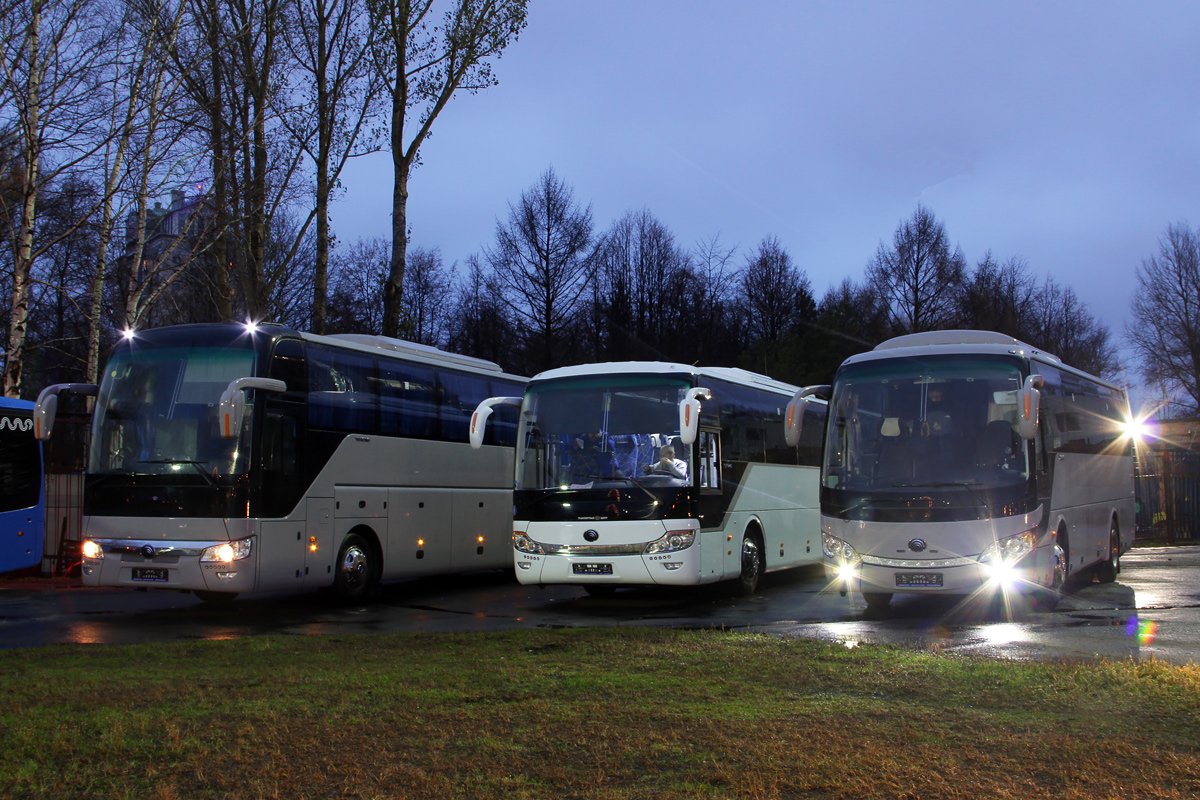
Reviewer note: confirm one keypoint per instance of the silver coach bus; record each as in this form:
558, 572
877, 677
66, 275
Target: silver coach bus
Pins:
231, 458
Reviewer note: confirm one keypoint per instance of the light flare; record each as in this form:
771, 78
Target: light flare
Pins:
1142, 630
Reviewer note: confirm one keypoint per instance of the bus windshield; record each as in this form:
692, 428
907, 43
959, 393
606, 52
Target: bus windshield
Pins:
599, 430
156, 413
914, 424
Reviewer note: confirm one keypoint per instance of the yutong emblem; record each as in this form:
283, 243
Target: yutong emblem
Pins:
590, 535
147, 551
917, 545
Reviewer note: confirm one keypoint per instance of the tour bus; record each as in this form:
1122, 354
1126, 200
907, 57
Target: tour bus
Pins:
229, 458
22, 488
659, 474
970, 463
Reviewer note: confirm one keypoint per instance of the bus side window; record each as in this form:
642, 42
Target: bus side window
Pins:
709, 473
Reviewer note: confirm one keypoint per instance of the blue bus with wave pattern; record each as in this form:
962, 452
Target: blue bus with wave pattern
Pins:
22, 488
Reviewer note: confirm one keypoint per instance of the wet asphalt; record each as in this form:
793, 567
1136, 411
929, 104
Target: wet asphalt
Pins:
1151, 611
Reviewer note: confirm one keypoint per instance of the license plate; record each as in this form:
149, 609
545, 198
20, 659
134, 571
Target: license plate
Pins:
918, 579
592, 569
150, 574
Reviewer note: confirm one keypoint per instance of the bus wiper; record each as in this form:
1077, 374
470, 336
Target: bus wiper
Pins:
199, 467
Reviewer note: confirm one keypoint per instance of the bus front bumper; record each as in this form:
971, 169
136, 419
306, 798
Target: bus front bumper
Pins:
965, 579
167, 565
625, 563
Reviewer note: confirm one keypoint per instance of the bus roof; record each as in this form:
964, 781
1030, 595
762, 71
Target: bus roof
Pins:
730, 374
967, 341
355, 341
10, 402
408, 349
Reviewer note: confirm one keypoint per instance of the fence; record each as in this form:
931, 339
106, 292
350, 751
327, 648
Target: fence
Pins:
1167, 488
64, 457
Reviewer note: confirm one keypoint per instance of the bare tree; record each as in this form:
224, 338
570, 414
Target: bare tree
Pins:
428, 286
424, 63
1165, 330
639, 275
53, 51
709, 321
357, 272
151, 148
919, 276
541, 262
999, 297
331, 43
1062, 325
480, 324
777, 293
236, 67
141, 91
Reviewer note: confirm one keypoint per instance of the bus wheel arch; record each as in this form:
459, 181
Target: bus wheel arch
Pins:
359, 564
752, 561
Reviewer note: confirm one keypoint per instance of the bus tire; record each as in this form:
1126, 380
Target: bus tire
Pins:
751, 564
1062, 561
877, 600
214, 599
355, 569
1106, 571
1046, 598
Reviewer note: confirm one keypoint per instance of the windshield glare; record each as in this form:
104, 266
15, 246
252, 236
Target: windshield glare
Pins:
594, 431
156, 413
900, 424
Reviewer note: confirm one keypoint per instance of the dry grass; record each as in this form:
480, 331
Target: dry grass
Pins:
605, 714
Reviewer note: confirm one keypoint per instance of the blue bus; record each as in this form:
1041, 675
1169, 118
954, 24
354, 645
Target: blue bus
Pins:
22, 489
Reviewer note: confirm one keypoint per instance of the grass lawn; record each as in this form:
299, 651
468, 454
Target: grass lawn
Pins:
597, 713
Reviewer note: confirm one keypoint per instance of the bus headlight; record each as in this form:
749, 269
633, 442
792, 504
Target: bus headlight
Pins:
840, 551
524, 544
228, 552
1001, 556
670, 542
844, 557
91, 550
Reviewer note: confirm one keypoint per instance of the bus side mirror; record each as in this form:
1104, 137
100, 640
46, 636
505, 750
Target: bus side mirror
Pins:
45, 410
689, 414
1027, 406
482, 412
232, 407
794, 417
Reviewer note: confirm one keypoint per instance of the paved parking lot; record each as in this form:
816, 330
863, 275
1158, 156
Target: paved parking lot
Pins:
1153, 610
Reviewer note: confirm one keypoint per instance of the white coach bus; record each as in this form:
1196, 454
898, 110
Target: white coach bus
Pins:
657, 473
967, 462
240, 458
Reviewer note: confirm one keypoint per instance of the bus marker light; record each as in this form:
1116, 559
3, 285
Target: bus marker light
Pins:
312, 544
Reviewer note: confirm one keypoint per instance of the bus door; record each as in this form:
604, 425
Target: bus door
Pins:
286, 544
710, 502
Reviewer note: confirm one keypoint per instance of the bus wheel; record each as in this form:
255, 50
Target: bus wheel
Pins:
752, 565
877, 600
1106, 571
214, 598
1046, 598
355, 568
